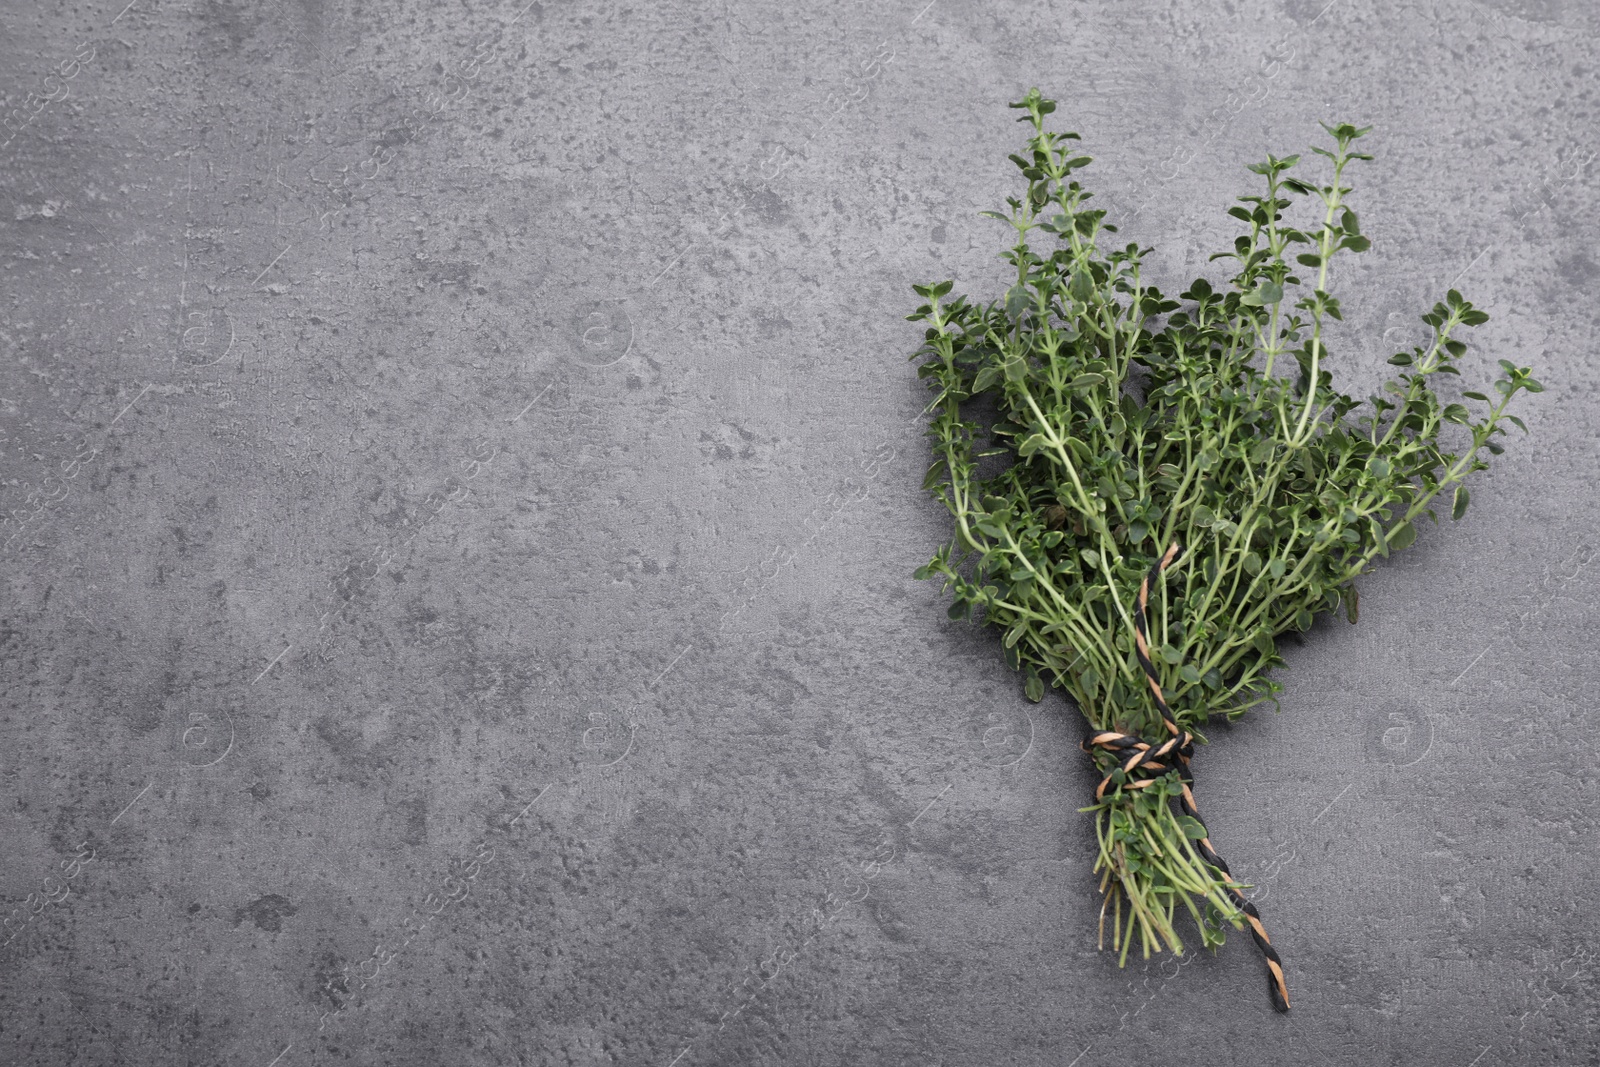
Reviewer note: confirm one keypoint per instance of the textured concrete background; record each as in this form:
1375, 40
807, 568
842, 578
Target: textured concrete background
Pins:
461, 475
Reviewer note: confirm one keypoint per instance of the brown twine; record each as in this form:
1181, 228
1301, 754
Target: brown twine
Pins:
1143, 763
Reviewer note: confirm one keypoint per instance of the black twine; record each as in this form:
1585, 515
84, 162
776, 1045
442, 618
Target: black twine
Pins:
1143, 763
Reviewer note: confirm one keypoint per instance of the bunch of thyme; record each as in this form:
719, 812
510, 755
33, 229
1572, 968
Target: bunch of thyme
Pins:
1087, 429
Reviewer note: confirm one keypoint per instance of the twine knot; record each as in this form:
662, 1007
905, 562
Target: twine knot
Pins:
1142, 763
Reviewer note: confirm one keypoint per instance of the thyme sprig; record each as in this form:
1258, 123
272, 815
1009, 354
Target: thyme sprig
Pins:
1083, 422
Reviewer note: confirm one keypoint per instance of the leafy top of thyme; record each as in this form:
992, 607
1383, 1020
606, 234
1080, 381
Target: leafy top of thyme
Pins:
1123, 421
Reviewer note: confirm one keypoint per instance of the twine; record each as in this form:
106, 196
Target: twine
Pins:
1143, 764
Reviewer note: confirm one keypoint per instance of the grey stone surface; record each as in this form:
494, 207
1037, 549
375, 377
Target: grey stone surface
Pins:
461, 475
